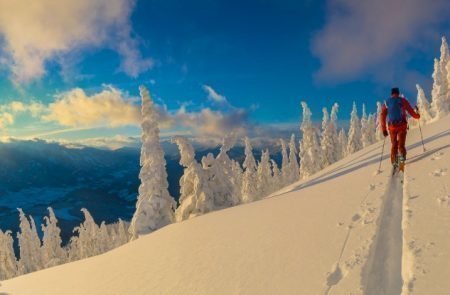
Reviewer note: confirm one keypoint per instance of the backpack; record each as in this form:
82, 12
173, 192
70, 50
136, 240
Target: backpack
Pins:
395, 111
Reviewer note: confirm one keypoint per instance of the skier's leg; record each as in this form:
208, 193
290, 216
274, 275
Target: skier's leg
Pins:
401, 143
394, 146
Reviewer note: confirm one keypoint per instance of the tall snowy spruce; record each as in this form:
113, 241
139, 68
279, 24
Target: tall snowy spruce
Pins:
285, 174
8, 262
52, 252
293, 161
342, 144
439, 104
249, 189
196, 198
365, 128
29, 245
354, 134
329, 137
264, 176
423, 105
155, 207
310, 157
444, 65
86, 243
378, 133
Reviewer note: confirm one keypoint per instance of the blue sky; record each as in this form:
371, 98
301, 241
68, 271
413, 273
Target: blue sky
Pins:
260, 58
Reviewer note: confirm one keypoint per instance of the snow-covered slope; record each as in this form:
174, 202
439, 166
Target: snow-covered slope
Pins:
347, 230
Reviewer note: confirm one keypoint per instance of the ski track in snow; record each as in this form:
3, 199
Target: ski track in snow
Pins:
383, 271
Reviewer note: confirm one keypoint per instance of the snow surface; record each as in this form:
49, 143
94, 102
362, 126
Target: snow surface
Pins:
346, 230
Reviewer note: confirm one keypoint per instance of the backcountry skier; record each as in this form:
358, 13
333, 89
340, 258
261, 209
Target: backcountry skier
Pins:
394, 111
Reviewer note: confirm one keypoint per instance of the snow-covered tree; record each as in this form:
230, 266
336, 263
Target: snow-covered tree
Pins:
196, 197
277, 177
86, 243
329, 136
285, 177
342, 144
52, 252
423, 105
354, 133
264, 176
379, 133
439, 104
237, 175
155, 207
293, 161
444, 65
310, 156
8, 262
221, 176
249, 189
365, 128
117, 234
29, 245
371, 129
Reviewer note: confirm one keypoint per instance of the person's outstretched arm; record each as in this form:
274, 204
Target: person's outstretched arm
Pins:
410, 110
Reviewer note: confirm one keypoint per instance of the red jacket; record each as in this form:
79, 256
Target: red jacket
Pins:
403, 126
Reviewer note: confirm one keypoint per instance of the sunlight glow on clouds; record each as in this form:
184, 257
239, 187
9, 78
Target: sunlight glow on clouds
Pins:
106, 108
36, 32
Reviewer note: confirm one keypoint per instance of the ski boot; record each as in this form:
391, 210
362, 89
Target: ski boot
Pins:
401, 163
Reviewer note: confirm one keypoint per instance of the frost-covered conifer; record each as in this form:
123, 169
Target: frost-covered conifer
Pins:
439, 105
294, 168
276, 177
284, 163
249, 185
310, 156
371, 129
329, 138
365, 128
52, 252
29, 245
196, 197
354, 133
8, 262
237, 175
378, 133
444, 61
423, 105
155, 207
85, 244
342, 143
264, 176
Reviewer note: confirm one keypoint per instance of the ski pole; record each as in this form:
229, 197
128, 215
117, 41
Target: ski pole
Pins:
420, 128
381, 157
421, 137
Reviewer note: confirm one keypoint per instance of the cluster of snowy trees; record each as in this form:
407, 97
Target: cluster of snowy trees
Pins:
217, 182
440, 93
37, 253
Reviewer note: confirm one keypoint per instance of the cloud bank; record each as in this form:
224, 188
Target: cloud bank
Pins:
33, 33
361, 36
106, 108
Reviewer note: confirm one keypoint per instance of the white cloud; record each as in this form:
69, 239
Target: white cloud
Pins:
9, 111
107, 108
213, 95
361, 36
39, 31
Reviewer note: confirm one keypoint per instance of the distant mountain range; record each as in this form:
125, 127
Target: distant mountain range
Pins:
37, 174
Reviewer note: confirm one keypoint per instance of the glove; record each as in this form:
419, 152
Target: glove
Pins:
385, 133
417, 110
